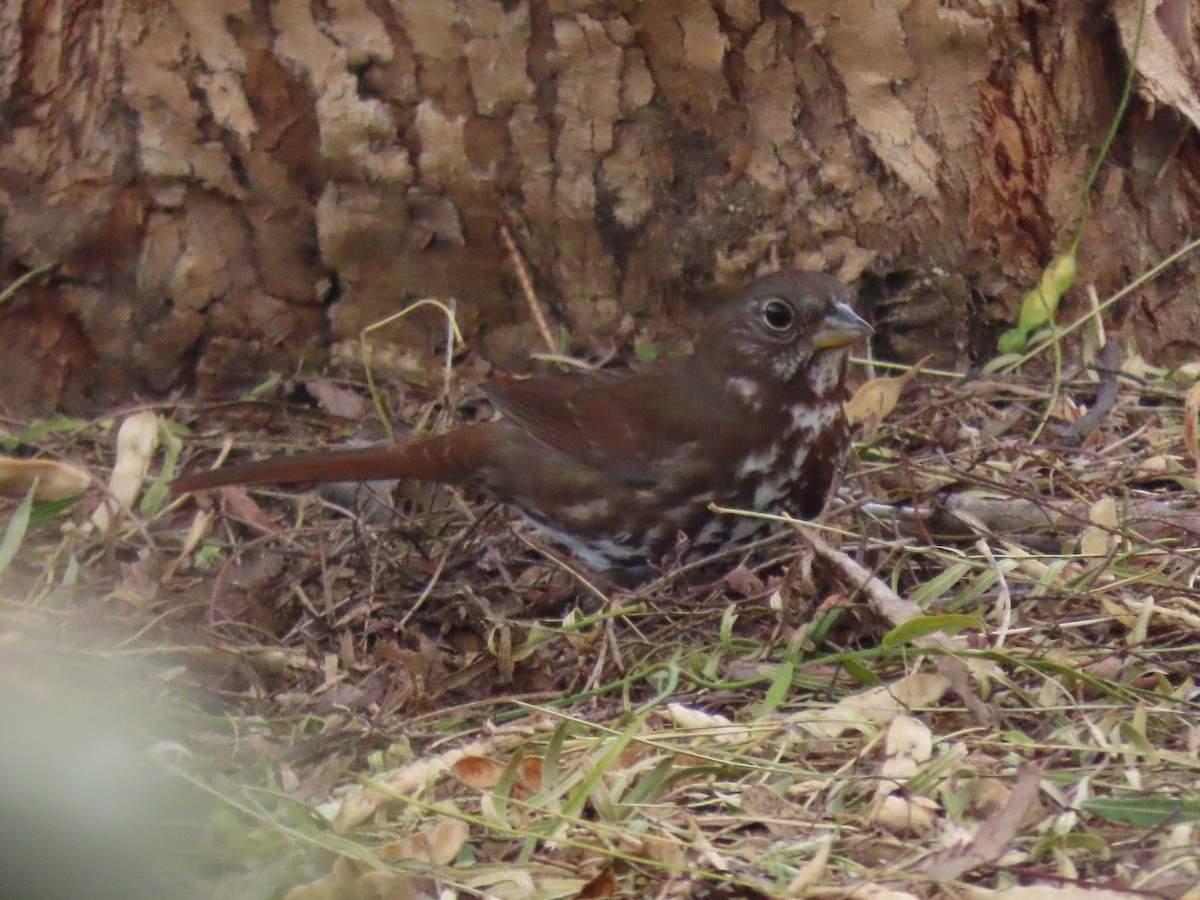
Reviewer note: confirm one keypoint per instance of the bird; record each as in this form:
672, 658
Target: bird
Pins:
620, 467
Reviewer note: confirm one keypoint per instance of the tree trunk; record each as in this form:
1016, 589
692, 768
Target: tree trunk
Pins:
228, 188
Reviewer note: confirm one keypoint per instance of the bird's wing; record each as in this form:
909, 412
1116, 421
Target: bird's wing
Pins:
620, 423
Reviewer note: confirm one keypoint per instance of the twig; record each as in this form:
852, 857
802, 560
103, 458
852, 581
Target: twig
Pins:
1109, 359
30, 276
897, 610
1004, 600
527, 287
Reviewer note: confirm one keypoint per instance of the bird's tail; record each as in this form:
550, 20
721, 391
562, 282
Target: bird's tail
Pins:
453, 457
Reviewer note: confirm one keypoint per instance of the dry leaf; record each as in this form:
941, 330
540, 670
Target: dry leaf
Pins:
664, 850
781, 816
1191, 420
994, 836
877, 705
439, 843
724, 731
55, 480
875, 400
479, 772
1158, 468
909, 737
603, 885
742, 581
245, 508
1047, 892
336, 400
1098, 539
904, 815
529, 773
360, 802
811, 872
137, 440
357, 879
483, 773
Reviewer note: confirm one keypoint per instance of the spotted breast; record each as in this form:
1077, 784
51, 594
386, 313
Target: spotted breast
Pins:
616, 466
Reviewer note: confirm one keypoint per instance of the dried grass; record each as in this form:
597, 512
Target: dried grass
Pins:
409, 700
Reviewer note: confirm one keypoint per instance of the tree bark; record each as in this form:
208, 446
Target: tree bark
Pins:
228, 188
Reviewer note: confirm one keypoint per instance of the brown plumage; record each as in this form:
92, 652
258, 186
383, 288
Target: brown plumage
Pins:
615, 465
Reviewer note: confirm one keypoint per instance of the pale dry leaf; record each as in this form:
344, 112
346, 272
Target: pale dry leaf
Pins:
877, 705
1045, 892
875, 400
904, 815
196, 532
722, 729
360, 802
1104, 513
1065, 409
439, 843
909, 737
1158, 468
919, 690
336, 400
137, 439
1191, 421
1038, 570
1135, 366
994, 836
895, 770
1097, 540
811, 872
338, 883
55, 480
1181, 374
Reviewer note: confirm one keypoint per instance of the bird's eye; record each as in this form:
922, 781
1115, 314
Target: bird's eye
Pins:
779, 315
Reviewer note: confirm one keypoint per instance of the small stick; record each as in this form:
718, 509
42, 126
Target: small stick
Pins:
527, 287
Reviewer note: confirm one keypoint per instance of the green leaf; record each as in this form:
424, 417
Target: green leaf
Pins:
1041, 303
205, 557
650, 785
1013, 340
1143, 812
31, 434
261, 388
920, 626
936, 587
646, 352
860, 673
51, 509
157, 494
781, 684
1093, 844
14, 534
552, 757
726, 633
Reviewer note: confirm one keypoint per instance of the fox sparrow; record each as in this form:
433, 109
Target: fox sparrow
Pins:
615, 465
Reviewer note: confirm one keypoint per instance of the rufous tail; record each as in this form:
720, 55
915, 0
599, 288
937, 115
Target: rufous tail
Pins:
453, 456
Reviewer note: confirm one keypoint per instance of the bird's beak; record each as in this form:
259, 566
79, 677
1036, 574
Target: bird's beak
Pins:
841, 327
